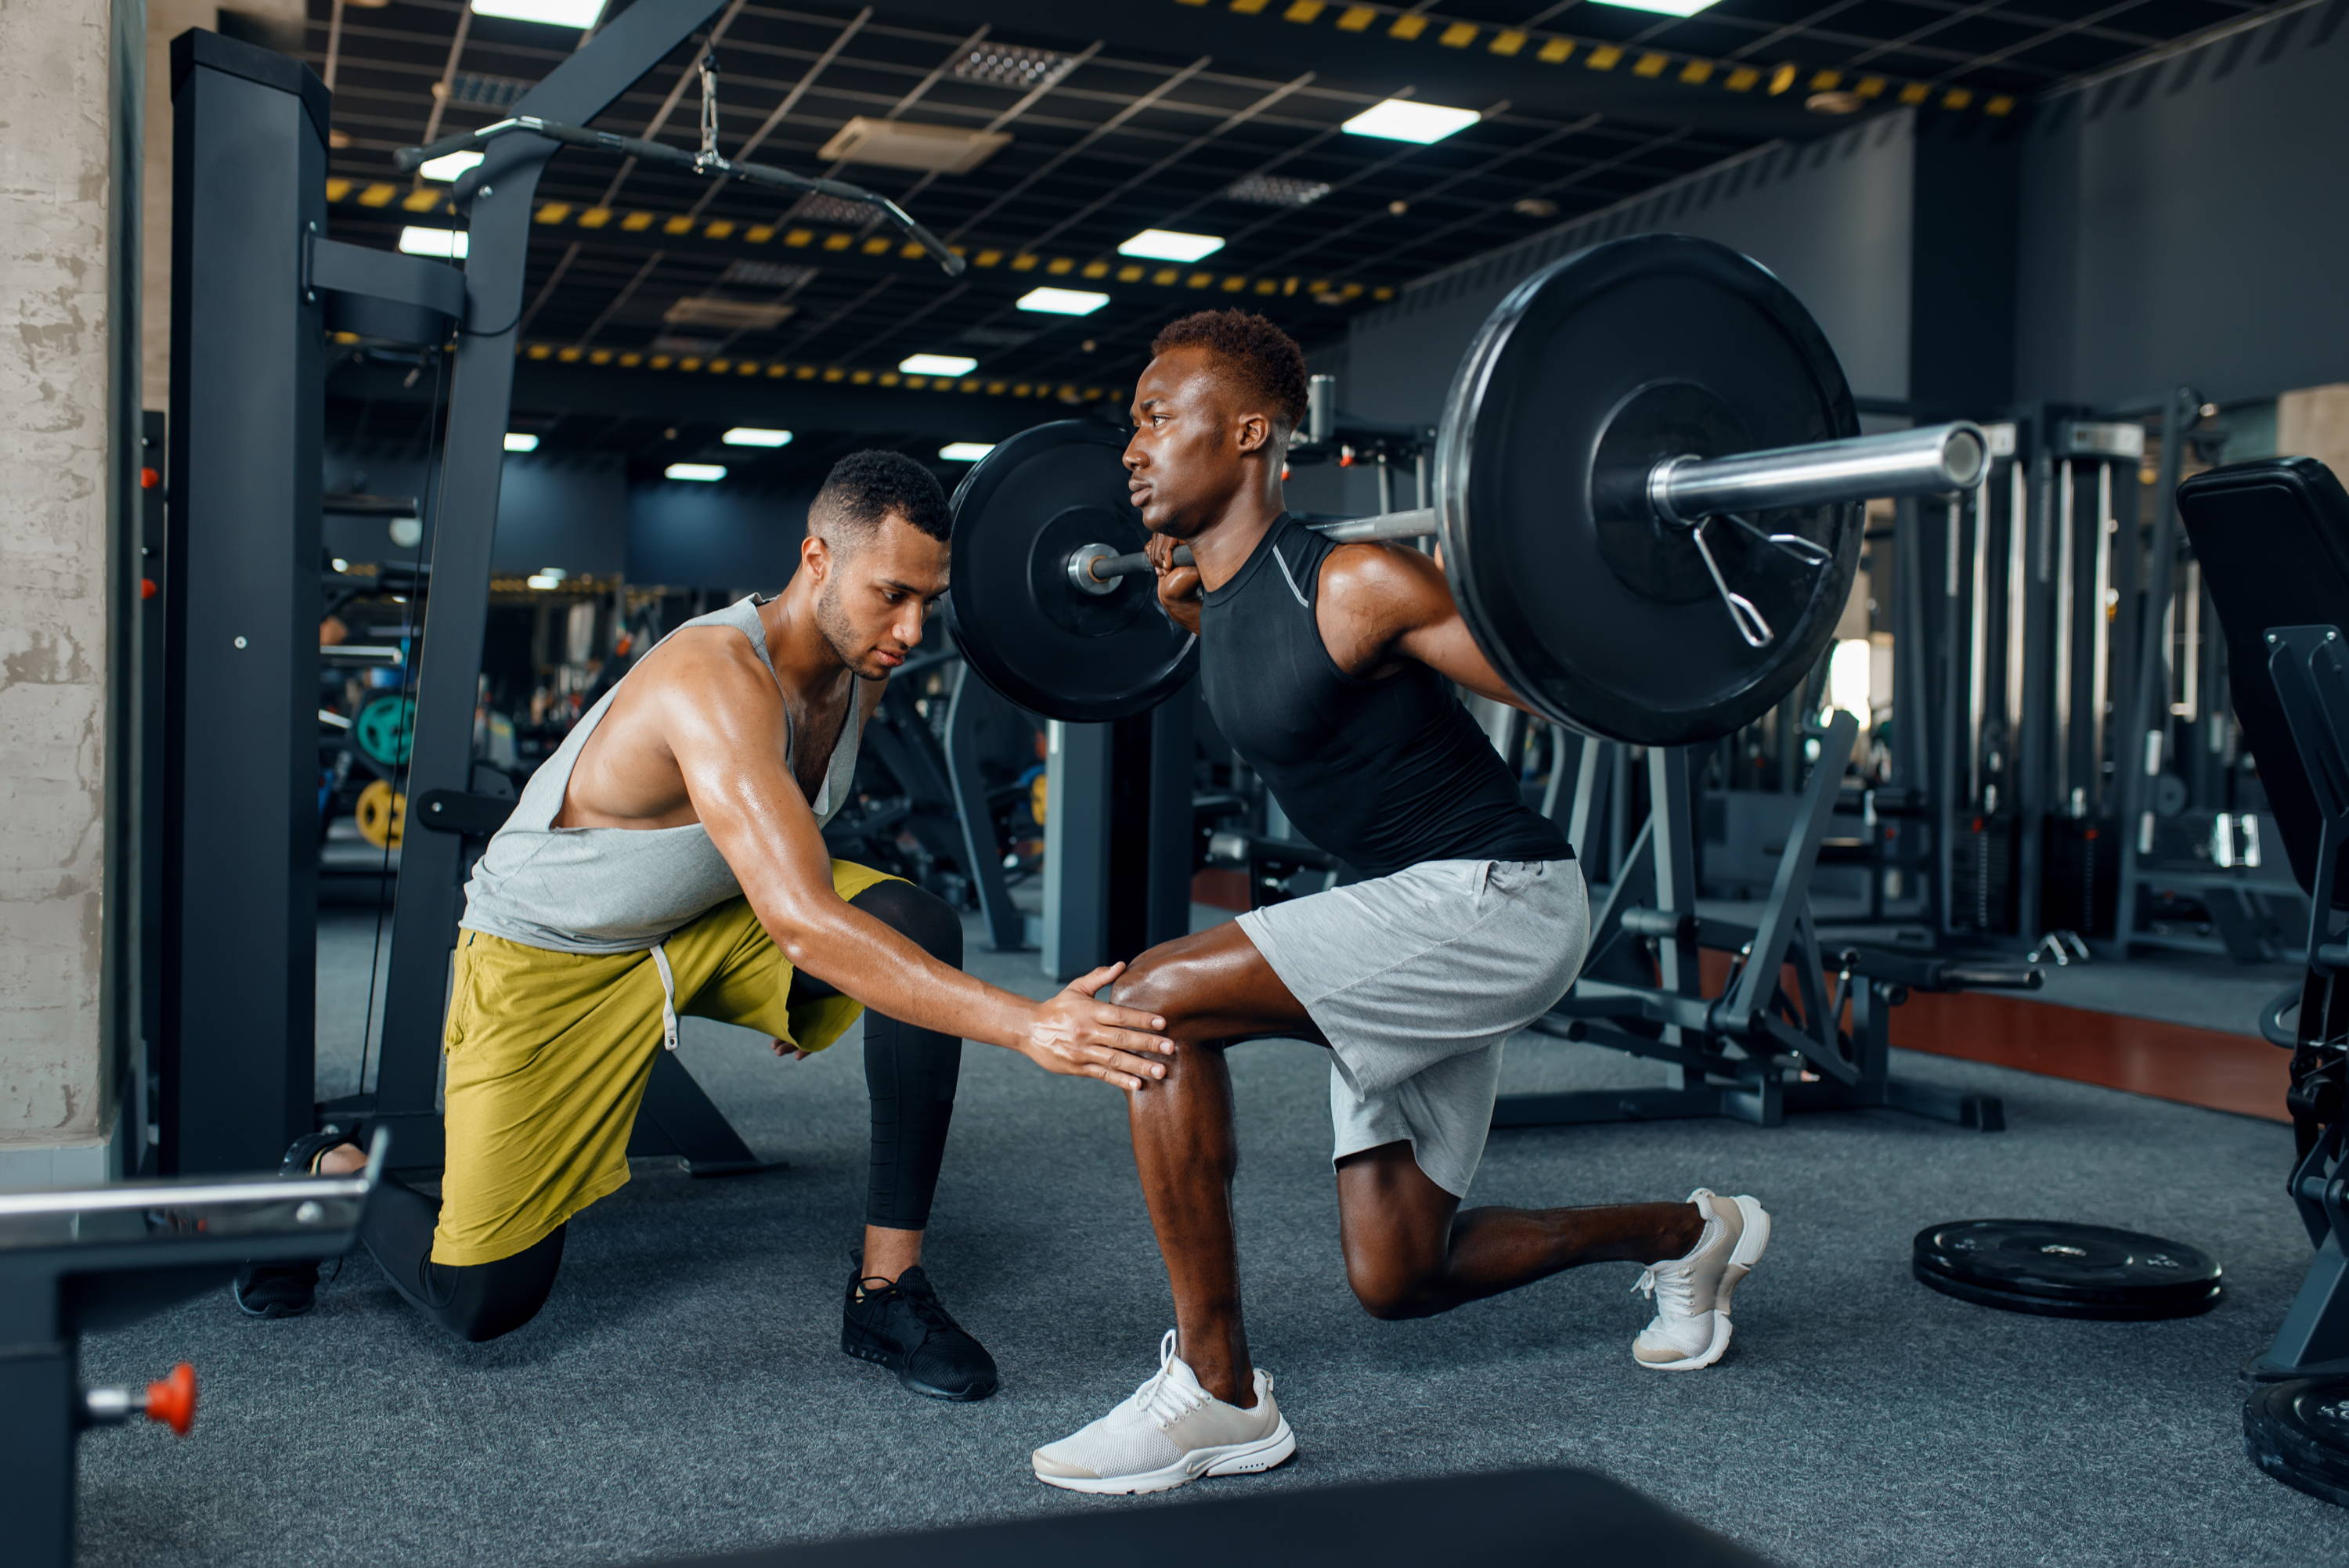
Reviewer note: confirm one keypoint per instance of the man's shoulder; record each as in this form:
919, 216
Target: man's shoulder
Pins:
696, 657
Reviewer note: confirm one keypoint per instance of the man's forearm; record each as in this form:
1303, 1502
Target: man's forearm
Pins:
871, 962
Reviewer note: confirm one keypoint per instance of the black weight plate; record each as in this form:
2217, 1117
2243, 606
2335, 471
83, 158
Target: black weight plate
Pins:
1026, 628
2298, 1433
1590, 371
2056, 1269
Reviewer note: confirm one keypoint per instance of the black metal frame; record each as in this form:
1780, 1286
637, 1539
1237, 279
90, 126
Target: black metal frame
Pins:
2310, 668
73, 1262
1756, 1051
256, 285
429, 899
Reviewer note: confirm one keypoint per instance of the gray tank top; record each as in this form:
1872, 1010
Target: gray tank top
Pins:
619, 889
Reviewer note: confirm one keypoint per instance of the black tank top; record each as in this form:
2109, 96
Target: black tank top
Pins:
1382, 773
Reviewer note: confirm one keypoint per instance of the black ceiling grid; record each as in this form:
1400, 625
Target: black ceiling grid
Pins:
1220, 117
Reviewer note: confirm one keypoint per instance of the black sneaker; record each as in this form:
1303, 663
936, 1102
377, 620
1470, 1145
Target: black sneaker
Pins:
904, 1327
288, 1289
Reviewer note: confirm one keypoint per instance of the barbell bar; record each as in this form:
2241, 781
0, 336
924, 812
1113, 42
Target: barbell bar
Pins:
1641, 434
1934, 460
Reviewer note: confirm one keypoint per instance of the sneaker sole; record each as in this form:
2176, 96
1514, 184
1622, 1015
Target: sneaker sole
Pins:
1231, 1459
913, 1385
1753, 1240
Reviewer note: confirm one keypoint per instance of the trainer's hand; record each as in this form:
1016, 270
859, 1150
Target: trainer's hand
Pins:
1178, 586
1074, 1035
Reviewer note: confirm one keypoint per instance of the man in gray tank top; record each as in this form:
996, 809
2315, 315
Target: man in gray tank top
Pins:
669, 859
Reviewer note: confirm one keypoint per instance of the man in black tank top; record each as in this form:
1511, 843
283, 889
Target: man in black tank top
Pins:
1329, 668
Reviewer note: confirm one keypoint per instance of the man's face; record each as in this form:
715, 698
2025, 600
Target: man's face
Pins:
878, 592
1187, 457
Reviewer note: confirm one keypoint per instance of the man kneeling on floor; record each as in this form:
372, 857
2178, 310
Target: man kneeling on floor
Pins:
1326, 668
669, 859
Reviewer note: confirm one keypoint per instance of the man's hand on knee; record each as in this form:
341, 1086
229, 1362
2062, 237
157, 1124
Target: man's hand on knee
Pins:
1074, 1035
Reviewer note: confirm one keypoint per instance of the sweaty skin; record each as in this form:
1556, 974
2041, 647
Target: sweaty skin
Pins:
1204, 466
697, 733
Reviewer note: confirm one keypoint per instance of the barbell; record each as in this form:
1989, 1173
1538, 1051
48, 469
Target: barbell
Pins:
1613, 409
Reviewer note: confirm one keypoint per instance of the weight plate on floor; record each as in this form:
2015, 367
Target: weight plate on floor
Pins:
2298, 1433
1038, 639
2053, 1268
385, 730
1593, 370
382, 815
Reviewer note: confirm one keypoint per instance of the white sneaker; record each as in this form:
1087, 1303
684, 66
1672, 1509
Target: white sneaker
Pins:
1171, 1432
1690, 1328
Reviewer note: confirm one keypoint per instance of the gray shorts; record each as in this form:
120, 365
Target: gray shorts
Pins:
1416, 979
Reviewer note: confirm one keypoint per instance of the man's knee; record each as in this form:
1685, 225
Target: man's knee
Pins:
1169, 988
1389, 1292
482, 1302
917, 914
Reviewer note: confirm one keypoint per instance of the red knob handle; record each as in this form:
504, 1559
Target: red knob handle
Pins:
172, 1402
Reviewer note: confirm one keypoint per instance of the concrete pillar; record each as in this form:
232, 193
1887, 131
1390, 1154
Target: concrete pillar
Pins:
59, 76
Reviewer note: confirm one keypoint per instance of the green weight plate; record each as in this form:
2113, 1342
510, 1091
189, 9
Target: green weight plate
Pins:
1594, 369
385, 730
2054, 1268
1033, 635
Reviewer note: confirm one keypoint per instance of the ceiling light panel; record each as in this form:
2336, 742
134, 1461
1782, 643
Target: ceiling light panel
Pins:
553, 13
769, 274
700, 473
521, 441
1171, 245
747, 436
1660, 7
1008, 65
449, 165
449, 243
837, 210
726, 315
937, 364
1276, 190
966, 451
1062, 302
909, 144
479, 89
1402, 119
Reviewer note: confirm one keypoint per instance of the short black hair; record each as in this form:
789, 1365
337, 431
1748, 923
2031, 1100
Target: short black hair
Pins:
1266, 359
865, 487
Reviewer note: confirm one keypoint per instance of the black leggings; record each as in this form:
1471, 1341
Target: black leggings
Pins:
910, 1073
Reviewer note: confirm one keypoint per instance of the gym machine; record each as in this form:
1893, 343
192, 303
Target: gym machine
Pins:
257, 285
2271, 537
1578, 517
75, 1262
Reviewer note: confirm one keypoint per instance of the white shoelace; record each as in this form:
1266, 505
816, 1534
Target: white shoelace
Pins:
1163, 1398
1671, 1286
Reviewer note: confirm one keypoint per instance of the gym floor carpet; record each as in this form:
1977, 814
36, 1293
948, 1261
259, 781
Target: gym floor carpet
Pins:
684, 1391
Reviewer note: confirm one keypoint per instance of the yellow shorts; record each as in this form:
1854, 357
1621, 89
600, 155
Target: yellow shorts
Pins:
549, 1052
